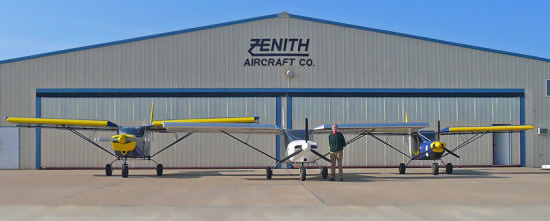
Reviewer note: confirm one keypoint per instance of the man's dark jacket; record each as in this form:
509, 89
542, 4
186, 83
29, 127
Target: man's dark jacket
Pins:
336, 142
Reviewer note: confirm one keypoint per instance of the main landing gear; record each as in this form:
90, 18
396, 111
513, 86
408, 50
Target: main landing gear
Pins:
303, 173
435, 168
448, 168
125, 169
324, 173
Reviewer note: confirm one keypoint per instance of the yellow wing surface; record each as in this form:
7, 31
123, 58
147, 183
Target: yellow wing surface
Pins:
480, 129
52, 122
158, 123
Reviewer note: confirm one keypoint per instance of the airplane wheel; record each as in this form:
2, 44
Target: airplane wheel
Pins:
125, 170
435, 168
268, 173
402, 168
108, 170
302, 173
159, 169
324, 173
449, 168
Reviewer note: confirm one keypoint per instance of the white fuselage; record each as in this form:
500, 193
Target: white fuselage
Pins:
306, 156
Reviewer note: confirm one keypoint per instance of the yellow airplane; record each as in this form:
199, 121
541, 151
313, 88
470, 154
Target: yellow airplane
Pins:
129, 142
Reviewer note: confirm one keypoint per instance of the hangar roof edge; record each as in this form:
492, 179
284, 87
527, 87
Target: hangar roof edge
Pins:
282, 14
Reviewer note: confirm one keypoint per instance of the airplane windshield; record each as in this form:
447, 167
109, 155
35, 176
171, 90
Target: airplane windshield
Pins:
427, 134
136, 131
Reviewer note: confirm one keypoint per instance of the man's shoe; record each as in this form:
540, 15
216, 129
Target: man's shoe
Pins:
331, 179
341, 178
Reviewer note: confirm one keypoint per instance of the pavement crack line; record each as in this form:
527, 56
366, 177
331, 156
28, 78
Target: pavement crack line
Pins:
307, 188
96, 189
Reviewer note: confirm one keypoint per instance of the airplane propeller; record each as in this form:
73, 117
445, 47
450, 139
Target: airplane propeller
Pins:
438, 137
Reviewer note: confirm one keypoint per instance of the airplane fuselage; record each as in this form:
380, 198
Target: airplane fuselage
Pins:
422, 146
131, 142
306, 156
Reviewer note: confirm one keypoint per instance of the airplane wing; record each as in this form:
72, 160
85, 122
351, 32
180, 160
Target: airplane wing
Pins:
376, 128
485, 129
62, 123
158, 124
225, 127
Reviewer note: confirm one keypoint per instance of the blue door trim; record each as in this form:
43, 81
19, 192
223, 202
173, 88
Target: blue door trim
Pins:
522, 133
278, 137
38, 154
288, 118
276, 92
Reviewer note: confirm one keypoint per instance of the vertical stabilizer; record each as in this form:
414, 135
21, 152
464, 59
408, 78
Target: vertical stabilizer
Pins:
307, 131
152, 110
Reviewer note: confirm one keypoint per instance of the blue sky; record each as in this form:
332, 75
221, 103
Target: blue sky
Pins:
33, 27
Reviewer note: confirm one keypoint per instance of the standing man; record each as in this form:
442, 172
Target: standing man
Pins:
337, 143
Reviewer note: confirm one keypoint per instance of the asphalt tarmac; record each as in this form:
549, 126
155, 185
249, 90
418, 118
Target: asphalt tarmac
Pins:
233, 194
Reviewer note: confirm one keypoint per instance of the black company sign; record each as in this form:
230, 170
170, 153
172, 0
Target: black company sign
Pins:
279, 52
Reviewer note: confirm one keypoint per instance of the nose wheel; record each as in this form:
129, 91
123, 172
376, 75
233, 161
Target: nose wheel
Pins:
303, 173
268, 173
435, 168
125, 170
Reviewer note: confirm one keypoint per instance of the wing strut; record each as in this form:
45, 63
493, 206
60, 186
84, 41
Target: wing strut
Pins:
468, 141
389, 145
172, 144
290, 156
359, 136
245, 143
88, 139
320, 156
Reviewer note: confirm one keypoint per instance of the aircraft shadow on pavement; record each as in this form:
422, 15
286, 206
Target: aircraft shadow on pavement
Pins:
349, 177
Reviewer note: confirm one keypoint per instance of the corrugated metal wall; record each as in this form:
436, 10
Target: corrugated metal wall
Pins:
451, 111
63, 149
344, 57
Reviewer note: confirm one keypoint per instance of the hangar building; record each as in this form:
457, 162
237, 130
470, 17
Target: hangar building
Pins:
282, 68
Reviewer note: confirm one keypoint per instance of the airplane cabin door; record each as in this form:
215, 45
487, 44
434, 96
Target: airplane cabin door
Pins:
9, 148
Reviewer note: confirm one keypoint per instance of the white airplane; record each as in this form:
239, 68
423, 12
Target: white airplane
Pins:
300, 152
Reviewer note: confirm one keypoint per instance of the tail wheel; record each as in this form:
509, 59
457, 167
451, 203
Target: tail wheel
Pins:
402, 168
435, 168
302, 173
324, 173
268, 173
125, 170
108, 170
449, 168
159, 169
